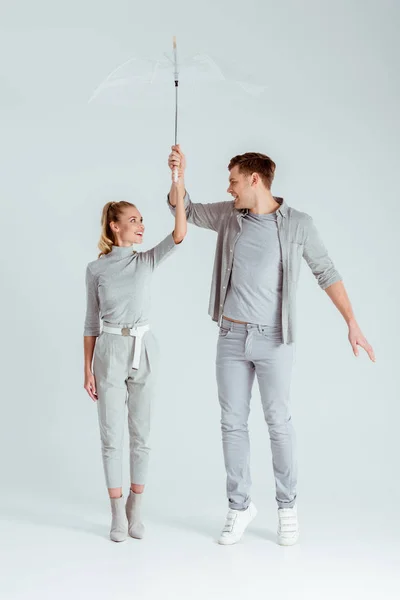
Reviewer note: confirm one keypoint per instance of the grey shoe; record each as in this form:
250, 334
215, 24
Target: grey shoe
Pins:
119, 524
133, 505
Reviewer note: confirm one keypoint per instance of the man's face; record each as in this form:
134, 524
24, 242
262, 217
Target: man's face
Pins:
130, 228
241, 189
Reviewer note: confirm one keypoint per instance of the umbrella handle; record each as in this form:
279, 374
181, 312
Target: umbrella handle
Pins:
175, 175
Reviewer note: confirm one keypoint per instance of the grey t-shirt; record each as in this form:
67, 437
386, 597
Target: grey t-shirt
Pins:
255, 287
118, 286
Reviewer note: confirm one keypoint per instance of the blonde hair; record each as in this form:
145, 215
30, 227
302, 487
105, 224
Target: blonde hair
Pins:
111, 212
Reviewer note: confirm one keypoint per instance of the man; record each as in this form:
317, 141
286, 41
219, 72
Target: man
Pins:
261, 241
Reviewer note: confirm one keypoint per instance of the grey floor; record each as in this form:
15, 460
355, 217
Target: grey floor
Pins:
55, 551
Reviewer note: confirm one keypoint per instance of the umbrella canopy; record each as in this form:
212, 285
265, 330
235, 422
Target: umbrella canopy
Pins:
138, 76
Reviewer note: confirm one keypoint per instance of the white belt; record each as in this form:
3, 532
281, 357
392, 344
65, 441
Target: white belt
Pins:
137, 333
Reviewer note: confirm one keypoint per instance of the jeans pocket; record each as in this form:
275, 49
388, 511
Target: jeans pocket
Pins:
272, 334
223, 332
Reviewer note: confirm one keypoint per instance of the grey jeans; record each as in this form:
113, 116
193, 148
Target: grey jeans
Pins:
119, 386
243, 351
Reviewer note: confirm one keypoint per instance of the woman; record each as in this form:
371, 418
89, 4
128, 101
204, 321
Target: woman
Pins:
124, 363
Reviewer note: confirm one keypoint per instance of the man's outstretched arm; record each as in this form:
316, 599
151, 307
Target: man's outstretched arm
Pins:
337, 293
329, 280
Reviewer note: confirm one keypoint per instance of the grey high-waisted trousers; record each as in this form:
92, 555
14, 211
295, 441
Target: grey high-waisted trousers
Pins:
243, 351
118, 386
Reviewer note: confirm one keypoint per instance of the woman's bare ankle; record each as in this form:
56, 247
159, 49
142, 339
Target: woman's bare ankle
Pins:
115, 492
136, 488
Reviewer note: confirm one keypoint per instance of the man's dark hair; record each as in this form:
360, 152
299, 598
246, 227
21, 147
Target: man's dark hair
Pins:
255, 162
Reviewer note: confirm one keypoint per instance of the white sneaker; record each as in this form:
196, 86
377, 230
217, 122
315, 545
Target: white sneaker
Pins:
288, 528
236, 523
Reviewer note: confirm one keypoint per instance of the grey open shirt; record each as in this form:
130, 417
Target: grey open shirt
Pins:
298, 238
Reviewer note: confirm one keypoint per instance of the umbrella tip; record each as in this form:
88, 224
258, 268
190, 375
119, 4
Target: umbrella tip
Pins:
174, 42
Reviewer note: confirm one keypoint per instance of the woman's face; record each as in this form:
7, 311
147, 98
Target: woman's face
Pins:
129, 229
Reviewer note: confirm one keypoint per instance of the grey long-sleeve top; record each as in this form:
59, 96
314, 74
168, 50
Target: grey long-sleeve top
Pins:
118, 286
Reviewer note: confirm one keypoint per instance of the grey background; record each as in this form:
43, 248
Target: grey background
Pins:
329, 119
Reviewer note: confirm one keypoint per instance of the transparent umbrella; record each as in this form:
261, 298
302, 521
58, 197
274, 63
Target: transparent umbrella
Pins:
138, 75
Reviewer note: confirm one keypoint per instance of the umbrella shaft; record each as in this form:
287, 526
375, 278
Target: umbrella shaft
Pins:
176, 112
